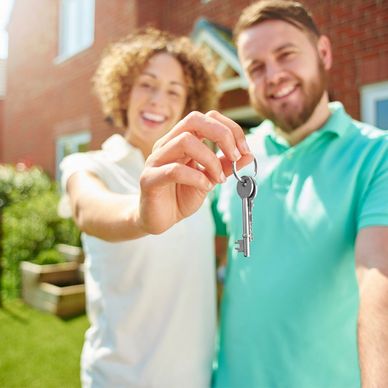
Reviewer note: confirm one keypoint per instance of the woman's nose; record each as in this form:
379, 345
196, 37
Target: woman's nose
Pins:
157, 96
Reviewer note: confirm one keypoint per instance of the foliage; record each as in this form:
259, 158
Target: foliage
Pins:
31, 224
39, 349
49, 256
18, 183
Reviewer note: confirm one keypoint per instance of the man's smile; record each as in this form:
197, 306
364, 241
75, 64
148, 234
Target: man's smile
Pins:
283, 92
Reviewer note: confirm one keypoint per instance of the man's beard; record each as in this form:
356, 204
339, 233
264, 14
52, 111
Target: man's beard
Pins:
312, 91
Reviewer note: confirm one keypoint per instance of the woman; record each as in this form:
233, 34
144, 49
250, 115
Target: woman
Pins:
150, 298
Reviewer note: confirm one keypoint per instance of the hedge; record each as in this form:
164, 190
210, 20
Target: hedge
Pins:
31, 224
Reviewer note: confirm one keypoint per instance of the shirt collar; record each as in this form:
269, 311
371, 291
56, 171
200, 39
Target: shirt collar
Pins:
336, 124
338, 121
118, 149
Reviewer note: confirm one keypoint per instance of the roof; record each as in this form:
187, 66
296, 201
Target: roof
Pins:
220, 43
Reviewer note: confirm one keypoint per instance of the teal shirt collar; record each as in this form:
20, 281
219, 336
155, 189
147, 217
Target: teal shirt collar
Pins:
338, 121
337, 124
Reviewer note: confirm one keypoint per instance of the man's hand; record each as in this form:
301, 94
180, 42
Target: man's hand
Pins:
181, 169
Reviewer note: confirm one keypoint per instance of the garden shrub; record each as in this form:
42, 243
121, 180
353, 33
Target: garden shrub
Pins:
31, 224
49, 256
18, 183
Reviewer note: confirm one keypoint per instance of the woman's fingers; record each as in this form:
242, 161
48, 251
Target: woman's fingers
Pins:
228, 137
183, 144
175, 173
242, 162
237, 131
186, 146
178, 173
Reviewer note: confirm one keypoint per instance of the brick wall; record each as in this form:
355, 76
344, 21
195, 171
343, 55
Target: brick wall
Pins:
45, 99
3, 74
1, 128
358, 30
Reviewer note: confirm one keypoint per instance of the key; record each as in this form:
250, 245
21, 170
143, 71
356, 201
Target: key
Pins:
246, 189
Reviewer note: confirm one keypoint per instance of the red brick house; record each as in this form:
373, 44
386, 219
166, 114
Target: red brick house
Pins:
3, 64
55, 45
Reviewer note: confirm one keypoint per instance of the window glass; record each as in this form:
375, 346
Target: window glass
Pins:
69, 144
374, 104
382, 113
76, 27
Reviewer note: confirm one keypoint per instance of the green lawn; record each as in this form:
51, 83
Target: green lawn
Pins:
39, 349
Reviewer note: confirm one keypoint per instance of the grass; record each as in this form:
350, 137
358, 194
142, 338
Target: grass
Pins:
38, 349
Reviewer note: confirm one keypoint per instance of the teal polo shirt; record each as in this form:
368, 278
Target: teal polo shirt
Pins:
289, 312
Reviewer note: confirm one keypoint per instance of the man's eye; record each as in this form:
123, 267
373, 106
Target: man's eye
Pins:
286, 55
256, 70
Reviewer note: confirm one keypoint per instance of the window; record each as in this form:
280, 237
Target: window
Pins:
374, 104
69, 144
76, 27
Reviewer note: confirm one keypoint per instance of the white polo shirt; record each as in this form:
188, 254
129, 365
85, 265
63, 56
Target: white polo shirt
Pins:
150, 301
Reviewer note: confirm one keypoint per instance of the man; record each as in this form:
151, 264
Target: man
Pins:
309, 308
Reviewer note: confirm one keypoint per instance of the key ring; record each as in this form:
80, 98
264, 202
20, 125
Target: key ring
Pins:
234, 164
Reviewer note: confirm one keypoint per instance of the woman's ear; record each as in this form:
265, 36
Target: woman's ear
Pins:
324, 51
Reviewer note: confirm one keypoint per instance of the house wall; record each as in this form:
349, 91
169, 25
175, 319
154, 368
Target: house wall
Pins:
3, 73
1, 127
358, 30
46, 100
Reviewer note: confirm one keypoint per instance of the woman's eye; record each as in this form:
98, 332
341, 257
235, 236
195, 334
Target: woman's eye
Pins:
174, 93
145, 85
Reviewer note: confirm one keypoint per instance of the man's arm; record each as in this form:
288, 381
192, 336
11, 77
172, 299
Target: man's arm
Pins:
372, 274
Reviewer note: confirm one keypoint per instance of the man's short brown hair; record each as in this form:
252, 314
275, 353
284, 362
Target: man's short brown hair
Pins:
288, 11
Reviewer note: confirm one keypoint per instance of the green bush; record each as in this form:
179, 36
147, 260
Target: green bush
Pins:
18, 183
49, 256
31, 224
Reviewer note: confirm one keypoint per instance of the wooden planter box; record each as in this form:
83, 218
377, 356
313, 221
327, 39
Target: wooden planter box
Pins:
56, 288
70, 252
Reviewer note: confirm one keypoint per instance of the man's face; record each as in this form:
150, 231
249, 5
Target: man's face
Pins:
286, 75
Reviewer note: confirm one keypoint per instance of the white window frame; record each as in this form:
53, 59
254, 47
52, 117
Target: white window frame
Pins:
76, 28
370, 94
75, 140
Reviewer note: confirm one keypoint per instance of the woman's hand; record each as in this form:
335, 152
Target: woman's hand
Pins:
181, 169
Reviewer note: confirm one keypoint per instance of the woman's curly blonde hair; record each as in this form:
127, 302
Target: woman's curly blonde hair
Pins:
123, 61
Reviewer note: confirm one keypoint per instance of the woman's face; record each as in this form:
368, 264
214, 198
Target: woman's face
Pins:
156, 102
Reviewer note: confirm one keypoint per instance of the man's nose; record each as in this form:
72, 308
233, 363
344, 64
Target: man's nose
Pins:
274, 73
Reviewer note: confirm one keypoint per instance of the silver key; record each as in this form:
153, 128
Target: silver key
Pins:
246, 189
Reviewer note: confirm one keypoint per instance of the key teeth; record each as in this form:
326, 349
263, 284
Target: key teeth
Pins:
240, 247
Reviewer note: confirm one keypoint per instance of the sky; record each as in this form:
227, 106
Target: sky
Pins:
5, 9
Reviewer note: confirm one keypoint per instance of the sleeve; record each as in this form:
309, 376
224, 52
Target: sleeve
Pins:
70, 165
373, 210
78, 162
220, 225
